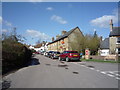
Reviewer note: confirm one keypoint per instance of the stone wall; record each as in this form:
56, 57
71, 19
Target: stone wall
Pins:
108, 57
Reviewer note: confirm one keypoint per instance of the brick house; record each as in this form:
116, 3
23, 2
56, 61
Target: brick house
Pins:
64, 42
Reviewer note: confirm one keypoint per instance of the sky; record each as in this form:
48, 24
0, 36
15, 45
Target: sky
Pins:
44, 20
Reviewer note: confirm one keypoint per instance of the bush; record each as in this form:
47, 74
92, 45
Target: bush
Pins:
14, 55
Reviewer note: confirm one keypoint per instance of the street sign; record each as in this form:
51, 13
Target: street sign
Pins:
86, 52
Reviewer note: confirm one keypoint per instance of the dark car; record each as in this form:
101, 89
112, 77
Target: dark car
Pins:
69, 55
55, 55
49, 53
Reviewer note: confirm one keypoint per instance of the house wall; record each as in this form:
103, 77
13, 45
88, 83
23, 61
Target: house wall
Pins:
104, 52
73, 40
112, 46
64, 46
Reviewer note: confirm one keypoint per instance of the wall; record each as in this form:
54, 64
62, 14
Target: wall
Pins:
112, 46
74, 40
104, 52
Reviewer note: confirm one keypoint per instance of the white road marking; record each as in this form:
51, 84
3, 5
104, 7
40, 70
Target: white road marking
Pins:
117, 74
92, 68
103, 72
110, 75
98, 70
113, 73
117, 78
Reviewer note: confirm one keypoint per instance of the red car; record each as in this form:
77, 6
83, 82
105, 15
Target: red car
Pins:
69, 55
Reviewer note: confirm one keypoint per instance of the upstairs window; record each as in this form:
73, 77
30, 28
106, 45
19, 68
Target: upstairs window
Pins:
118, 40
118, 50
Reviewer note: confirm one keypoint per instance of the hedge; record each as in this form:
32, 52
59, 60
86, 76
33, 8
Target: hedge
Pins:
14, 55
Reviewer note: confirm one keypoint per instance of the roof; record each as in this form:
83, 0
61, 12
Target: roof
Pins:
105, 44
115, 32
65, 35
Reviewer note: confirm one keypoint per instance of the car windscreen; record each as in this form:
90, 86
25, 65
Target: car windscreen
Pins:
58, 52
72, 52
50, 51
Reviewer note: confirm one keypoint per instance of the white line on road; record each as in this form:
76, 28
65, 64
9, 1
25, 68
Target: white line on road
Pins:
110, 75
103, 72
117, 78
92, 68
98, 70
117, 74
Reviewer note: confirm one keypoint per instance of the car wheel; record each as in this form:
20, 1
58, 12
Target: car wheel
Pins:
67, 59
60, 59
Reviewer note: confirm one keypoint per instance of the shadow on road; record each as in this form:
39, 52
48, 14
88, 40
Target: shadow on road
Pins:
34, 61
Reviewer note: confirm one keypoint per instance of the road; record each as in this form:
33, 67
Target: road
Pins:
55, 74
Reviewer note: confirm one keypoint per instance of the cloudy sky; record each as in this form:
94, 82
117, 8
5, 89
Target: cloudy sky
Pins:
44, 20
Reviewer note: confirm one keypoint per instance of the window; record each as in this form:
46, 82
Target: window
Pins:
118, 40
118, 50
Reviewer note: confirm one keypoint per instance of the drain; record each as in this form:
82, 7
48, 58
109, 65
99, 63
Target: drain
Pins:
47, 64
66, 68
90, 66
75, 72
62, 65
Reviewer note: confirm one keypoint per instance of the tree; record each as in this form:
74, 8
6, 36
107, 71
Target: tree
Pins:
76, 43
92, 42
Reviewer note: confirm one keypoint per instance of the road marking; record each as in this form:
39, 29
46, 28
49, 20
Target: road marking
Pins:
98, 70
111, 72
117, 78
103, 72
92, 68
110, 75
82, 65
117, 74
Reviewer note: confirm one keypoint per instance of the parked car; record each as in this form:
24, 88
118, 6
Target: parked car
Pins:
69, 55
55, 54
46, 54
42, 52
49, 53
36, 52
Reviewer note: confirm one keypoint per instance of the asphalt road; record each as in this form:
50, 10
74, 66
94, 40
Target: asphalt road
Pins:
50, 73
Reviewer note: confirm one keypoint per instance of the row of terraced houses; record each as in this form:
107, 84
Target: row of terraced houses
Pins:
110, 45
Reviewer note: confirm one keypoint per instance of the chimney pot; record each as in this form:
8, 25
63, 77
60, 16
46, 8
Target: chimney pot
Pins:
63, 32
52, 39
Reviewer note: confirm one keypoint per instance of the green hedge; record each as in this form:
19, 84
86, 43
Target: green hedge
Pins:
14, 55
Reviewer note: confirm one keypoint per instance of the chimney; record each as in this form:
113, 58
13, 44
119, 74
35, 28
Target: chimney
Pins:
111, 25
63, 32
101, 38
52, 39
57, 36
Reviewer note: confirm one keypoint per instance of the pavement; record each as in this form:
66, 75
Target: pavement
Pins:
50, 73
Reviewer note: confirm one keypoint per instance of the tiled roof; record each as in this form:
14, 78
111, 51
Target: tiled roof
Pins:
115, 32
65, 35
105, 44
